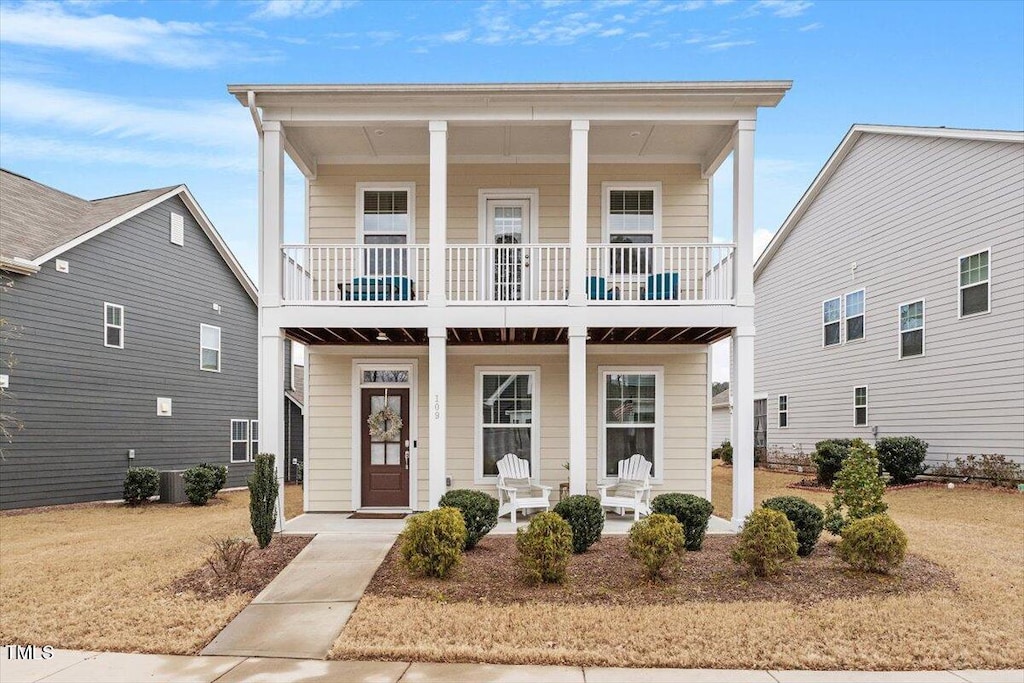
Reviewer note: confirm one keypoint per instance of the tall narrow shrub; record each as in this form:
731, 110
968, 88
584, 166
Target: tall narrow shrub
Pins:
263, 499
857, 490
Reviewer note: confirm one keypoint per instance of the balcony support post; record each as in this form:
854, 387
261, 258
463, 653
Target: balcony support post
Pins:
741, 383
271, 219
437, 407
270, 408
438, 213
578, 410
743, 211
579, 158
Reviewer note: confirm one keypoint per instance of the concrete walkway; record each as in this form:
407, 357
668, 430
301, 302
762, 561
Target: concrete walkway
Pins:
302, 611
88, 667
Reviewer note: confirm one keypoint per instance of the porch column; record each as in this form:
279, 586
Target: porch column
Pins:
743, 211
271, 234
270, 400
438, 210
741, 385
437, 403
578, 410
579, 158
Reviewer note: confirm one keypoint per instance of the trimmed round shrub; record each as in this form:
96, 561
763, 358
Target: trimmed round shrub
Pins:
432, 542
806, 517
140, 484
873, 544
723, 452
199, 484
902, 457
655, 541
220, 476
693, 512
545, 547
586, 519
479, 512
766, 543
828, 458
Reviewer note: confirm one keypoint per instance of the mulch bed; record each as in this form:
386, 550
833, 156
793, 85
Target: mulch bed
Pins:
259, 569
813, 485
605, 574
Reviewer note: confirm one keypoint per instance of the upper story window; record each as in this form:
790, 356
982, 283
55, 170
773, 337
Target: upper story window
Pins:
113, 326
209, 348
974, 283
631, 418
831, 312
632, 215
912, 329
855, 315
385, 215
783, 410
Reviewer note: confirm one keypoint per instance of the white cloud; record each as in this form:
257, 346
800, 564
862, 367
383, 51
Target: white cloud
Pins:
177, 44
455, 36
784, 9
812, 27
608, 33
762, 236
300, 9
727, 44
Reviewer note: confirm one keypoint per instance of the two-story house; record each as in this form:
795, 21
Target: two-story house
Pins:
130, 331
524, 268
891, 300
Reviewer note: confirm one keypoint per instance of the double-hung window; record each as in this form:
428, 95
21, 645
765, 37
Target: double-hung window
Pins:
209, 348
974, 284
912, 329
386, 215
831, 314
632, 217
240, 441
507, 404
783, 410
855, 315
631, 418
113, 326
860, 406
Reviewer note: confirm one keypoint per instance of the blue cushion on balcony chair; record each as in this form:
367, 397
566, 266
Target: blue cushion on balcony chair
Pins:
391, 288
662, 286
399, 288
598, 290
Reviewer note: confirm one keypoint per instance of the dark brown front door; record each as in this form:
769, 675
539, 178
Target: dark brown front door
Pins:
385, 456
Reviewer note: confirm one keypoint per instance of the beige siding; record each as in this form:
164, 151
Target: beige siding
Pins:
902, 209
330, 422
332, 198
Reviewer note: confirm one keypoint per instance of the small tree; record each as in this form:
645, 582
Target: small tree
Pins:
858, 489
263, 499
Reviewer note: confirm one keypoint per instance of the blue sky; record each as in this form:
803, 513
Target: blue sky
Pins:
100, 98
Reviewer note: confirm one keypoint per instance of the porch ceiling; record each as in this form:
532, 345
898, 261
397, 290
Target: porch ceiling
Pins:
470, 336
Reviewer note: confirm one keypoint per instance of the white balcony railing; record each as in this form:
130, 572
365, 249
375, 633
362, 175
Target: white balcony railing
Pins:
354, 274
638, 273
507, 273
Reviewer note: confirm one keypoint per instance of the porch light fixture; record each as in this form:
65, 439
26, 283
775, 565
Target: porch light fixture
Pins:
382, 336
379, 132
634, 134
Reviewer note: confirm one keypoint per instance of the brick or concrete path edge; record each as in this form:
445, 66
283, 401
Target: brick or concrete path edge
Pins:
109, 667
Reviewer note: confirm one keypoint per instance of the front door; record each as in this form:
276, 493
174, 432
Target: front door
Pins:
385, 457
508, 228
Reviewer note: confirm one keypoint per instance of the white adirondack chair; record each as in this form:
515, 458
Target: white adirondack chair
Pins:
516, 491
632, 490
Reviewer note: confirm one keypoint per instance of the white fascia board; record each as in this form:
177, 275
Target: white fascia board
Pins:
16, 264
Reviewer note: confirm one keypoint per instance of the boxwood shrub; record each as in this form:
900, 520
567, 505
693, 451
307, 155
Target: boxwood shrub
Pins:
655, 541
693, 512
806, 517
828, 458
545, 547
723, 452
586, 519
873, 544
140, 484
199, 484
902, 457
220, 476
479, 512
766, 543
432, 542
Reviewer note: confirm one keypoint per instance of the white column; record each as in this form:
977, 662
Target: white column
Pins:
743, 211
271, 407
437, 406
741, 386
438, 209
577, 410
271, 233
579, 158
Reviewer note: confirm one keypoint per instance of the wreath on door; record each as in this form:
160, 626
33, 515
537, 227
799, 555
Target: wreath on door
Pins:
385, 424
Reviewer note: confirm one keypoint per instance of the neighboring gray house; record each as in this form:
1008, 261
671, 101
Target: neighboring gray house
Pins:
294, 409
721, 417
891, 301
134, 342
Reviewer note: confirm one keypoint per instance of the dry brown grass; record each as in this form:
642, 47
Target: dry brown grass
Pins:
977, 534
95, 577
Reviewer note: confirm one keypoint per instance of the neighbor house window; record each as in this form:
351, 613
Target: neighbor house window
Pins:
386, 218
239, 440
507, 408
855, 315
254, 438
860, 406
974, 283
632, 217
783, 410
209, 348
912, 329
113, 326
831, 312
631, 414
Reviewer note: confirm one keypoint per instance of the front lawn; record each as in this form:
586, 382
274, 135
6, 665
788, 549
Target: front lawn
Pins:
976, 620
102, 576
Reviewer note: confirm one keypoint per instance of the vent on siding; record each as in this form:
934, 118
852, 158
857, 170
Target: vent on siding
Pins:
177, 229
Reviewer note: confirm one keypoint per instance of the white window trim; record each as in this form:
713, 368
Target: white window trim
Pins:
960, 288
106, 307
844, 313
840, 321
478, 422
606, 189
408, 186
254, 428
659, 417
220, 344
779, 411
899, 329
865, 406
232, 441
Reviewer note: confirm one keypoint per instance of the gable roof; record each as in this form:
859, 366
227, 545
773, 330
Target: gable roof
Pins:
38, 222
723, 399
844, 148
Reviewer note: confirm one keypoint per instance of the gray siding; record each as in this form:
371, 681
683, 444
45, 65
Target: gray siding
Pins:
903, 209
84, 405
